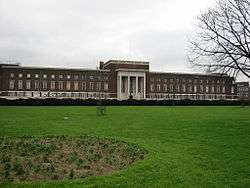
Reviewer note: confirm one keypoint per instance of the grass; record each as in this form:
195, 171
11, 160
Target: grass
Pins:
188, 146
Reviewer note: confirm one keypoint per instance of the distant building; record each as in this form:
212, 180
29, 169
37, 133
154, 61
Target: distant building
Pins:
114, 79
243, 90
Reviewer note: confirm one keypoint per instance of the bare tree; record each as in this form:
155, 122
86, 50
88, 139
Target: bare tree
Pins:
222, 41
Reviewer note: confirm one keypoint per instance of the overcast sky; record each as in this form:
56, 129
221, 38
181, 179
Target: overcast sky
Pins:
80, 33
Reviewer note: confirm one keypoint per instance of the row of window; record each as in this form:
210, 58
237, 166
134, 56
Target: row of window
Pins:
177, 80
60, 85
191, 89
60, 76
191, 97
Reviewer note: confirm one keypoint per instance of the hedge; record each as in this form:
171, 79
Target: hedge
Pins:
114, 102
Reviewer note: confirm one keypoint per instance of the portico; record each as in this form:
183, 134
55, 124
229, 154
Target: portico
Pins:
131, 84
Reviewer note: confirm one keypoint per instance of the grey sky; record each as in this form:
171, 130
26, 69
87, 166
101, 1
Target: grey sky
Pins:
80, 33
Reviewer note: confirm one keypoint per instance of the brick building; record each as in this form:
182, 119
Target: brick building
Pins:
243, 90
114, 79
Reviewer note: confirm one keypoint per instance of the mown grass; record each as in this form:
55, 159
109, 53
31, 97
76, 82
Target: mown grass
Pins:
188, 146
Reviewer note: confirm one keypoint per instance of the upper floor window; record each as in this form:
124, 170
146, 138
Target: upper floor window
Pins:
76, 77
159, 79
165, 87
91, 77
75, 86
68, 85
45, 76
91, 85
36, 76
61, 76
223, 89
11, 84
44, 84
158, 87
189, 80
60, 85
20, 84
171, 87
195, 88
20, 75
28, 75
36, 84
52, 76
84, 87
12, 75
106, 77
207, 89
152, 87
184, 88
52, 85
171, 80
28, 84
106, 86
68, 76
98, 86
151, 79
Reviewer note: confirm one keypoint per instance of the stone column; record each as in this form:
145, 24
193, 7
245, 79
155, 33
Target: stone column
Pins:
136, 86
144, 87
120, 87
128, 86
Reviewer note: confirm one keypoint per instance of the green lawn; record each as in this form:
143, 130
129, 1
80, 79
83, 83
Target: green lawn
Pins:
188, 146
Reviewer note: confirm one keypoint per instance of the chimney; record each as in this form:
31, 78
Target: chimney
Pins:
101, 65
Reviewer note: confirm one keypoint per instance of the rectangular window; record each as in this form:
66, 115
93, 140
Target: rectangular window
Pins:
36, 76
11, 84
20, 84
36, 84
20, 75
207, 89
152, 87
52, 85
190, 89
195, 88
44, 84
84, 86
76, 86
45, 76
28, 84
76, 77
177, 88
12, 75
98, 86
223, 89
68, 85
218, 89
201, 88
91, 85
28, 75
165, 87
158, 87
106, 86
171, 88
60, 85
212, 89
232, 89
52, 76
184, 88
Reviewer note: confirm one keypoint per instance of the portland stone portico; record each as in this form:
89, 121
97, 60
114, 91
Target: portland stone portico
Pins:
131, 84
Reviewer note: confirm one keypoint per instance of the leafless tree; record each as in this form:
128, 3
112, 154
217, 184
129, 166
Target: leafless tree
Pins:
222, 41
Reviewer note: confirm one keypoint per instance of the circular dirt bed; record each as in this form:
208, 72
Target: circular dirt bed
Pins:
62, 157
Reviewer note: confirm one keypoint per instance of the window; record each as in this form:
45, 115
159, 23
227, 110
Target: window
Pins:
91, 85
223, 89
36, 84
20, 84
151, 79
171, 80
45, 76
61, 76
60, 85
171, 88
184, 88
158, 87
36, 76
232, 89
12, 75
201, 88
106, 77
68, 76
68, 85
44, 84
177, 88
75, 86
189, 80
52, 76
20, 75
28, 75
106, 86
195, 88
76, 77
183, 80
218, 89
177, 80
165, 87
218, 81
83, 77
98, 86
207, 89
212, 89
91, 77
84, 86
190, 89
52, 85
152, 87
28, 84
11, 84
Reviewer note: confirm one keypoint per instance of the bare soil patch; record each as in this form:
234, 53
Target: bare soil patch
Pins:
63, 157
